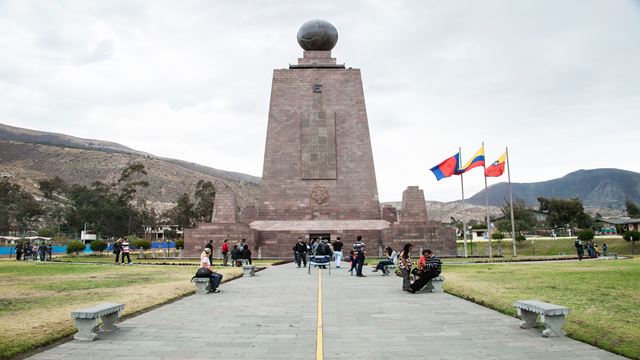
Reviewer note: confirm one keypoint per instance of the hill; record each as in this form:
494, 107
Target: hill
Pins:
597, 188
29, 156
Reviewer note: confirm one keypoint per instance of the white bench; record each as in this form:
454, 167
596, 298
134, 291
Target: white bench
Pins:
202, 285
551, 315
87, 320
248, 270
435, 285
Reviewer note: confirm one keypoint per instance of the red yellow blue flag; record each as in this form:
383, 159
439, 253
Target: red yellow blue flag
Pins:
475, 161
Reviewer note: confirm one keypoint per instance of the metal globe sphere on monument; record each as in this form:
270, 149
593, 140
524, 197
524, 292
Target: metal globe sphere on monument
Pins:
317, 35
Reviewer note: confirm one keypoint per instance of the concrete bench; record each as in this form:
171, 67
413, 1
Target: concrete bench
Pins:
87, 320
386, 271
248, 270
202, 285
551, 315
435, 285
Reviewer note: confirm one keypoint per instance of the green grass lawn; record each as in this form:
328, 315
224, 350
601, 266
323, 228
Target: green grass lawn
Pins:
37, 298
548, 247
110, 259
603, 295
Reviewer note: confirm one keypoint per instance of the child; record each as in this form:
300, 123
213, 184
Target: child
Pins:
352, 260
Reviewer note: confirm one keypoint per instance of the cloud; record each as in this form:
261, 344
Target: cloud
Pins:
554, 81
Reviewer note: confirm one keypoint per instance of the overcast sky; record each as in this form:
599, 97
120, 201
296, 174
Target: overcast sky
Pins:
556, 81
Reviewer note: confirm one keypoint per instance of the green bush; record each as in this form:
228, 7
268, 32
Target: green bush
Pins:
75, 247
631, 234
179, 244
497, 236
520, 238
98, 246
141, 244
585, 235
47, 232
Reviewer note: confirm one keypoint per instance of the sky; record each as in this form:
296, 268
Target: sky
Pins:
557, 81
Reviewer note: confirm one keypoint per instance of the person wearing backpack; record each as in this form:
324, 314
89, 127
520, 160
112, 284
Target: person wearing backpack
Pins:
117, 249
323, 249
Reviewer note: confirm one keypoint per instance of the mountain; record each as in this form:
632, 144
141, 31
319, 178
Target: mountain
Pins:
27, 156
597, 188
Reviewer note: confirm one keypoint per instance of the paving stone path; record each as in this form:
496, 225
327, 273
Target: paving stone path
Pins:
274, 316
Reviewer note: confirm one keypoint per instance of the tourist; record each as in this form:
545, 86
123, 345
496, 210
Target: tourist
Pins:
49, 251
225, 252
604, 249
337, 251
314, 246
125, 251
242, 244
579, 249
323, 250
391, 259
429, 269
210, 247
26, 251
42, 252
214, 278
358, 248
405, 266
19, 251
245, 254
34, 252
235, 255
300, 252
117, 249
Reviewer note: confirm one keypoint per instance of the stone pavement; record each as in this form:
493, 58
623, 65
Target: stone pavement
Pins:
273, 316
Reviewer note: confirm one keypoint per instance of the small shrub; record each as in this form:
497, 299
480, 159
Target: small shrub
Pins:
585, 235
75, 247
520, 238
179, 244
141, 244
497, 236
631, 234
98, 246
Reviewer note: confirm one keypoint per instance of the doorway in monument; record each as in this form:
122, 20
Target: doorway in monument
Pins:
319, 237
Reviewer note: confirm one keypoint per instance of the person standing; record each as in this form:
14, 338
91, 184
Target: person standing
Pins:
225, 252
579, 249
430, 269
117, 249
337, 251
125, 251
49, 251
210, 247
34, 252
42, 251
19, 251
405, 266
358, 248
300, 252
604, 249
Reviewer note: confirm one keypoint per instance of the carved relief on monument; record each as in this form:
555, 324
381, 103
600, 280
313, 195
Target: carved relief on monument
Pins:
320, 194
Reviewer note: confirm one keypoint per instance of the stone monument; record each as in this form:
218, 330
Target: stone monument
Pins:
318, 176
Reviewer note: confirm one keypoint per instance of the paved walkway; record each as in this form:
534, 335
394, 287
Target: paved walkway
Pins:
274, 316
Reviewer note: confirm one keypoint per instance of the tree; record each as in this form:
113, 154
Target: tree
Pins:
204, 196
586, 234
98, 246
18, 209
524, 217
633, 211
631, 234
563, 212
51, 186
129, 182
183, 214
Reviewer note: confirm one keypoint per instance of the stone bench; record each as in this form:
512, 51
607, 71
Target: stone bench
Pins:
386, 270
551, 315
203, 285
87, 320
435, 285
248, 270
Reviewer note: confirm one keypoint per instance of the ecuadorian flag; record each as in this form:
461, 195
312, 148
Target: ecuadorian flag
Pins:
475, 161
497, 167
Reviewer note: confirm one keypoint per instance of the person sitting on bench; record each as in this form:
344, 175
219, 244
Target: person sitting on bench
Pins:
207, 270
391, 259
427, 270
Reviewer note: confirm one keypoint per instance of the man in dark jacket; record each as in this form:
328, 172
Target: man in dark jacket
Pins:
431, 270
300, 250
210, 247
358, 248
323, 249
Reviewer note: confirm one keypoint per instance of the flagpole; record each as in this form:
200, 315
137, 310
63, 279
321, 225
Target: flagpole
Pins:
486, 194
464, 217
513, 224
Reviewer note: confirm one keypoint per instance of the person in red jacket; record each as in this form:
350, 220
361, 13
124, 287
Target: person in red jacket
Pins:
225, 252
